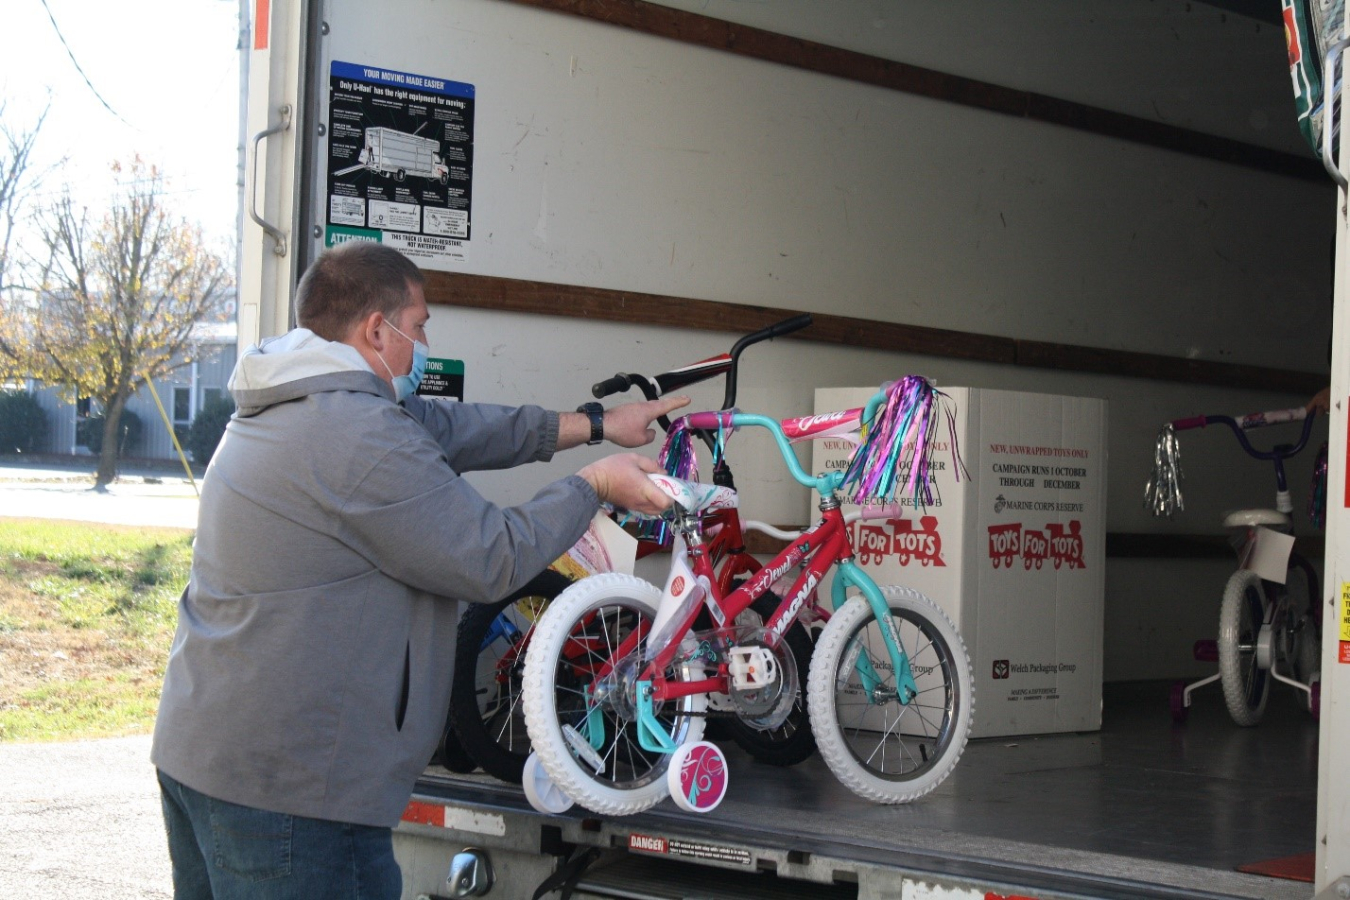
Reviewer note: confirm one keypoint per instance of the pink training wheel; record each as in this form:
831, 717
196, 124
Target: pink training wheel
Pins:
697, 777
1177, 701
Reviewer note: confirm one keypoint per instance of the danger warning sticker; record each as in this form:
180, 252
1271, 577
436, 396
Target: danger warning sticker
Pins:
646, 843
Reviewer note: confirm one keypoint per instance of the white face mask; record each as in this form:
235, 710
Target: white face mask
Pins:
406, 385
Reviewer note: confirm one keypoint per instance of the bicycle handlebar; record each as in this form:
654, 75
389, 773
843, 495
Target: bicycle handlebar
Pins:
1249, 421
726, 363
787, 326
1240, 426
616, 385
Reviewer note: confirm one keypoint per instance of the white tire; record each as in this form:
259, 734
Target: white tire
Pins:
879, 748
1246, 685
577, 635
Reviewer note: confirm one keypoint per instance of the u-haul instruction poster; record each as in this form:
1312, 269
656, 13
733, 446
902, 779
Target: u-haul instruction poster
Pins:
400, 162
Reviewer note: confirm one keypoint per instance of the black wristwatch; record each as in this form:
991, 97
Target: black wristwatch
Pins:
596, 413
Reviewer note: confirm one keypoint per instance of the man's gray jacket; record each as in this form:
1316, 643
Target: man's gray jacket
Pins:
310, 673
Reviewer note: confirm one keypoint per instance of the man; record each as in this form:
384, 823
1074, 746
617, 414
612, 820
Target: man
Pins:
311, 669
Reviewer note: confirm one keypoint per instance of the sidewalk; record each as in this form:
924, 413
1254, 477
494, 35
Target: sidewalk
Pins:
82, 468
145, 493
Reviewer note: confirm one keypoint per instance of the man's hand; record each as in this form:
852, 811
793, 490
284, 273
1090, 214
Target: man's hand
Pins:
622, 480
1321, 401
630, 425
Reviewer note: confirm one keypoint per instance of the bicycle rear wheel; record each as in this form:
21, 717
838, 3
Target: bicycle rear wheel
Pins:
1304, 635
485, 706
582, 721
1246, 685
450, 752
878, 747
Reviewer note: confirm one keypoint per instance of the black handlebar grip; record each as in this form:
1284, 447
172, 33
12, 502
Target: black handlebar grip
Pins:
778, 329
796, 323
616, 385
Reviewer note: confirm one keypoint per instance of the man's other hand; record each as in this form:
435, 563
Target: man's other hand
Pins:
622, 480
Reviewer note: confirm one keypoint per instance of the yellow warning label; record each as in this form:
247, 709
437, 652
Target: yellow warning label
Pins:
1345, 611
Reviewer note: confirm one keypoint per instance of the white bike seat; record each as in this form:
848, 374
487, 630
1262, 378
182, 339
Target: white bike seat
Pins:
696, 497
1250, 518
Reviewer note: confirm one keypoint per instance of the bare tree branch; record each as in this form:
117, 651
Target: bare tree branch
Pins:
17, 180
118, 299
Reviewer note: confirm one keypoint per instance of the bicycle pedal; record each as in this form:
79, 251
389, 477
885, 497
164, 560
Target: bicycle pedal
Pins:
751, 668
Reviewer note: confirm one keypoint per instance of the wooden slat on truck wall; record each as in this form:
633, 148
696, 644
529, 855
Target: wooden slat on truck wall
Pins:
704, 31
608, 305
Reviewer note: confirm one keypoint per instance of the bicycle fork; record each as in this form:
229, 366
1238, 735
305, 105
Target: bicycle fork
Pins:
848, 574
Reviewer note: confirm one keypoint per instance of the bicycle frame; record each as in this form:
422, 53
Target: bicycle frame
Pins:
726, 549
692, 587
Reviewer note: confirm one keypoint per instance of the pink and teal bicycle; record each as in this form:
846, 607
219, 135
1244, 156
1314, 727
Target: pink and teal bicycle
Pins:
619, 677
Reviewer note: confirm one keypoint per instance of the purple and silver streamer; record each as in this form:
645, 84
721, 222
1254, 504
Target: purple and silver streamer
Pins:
896, 454
1162, 494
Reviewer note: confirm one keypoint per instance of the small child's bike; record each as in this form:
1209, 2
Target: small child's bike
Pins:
1269, 628
618, 676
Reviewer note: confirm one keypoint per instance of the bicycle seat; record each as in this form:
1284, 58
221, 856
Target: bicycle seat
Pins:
1250, 518
696, 497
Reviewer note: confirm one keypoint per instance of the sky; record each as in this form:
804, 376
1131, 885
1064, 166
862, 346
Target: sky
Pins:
162, 82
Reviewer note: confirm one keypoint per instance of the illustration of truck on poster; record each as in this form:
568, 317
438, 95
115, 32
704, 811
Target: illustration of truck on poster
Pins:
391, 152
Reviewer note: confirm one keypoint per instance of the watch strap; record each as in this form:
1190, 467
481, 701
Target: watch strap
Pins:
596, 413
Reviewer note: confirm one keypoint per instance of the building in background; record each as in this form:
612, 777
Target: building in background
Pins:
184, 393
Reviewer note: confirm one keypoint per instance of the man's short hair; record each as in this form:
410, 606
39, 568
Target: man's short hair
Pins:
349, 282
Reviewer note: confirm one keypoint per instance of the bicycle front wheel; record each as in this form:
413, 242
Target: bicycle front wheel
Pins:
581, 696
485, 702
1246, 685
878, 747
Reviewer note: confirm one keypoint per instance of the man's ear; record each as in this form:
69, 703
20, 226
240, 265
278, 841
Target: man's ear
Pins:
367, 331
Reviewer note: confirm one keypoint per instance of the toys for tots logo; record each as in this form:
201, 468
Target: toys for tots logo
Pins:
1060, 543
899, 538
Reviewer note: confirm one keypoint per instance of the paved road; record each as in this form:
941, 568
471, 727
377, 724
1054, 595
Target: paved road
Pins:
144, 498
82, 819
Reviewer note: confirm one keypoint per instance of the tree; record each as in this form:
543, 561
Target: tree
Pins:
17, 181
115, 301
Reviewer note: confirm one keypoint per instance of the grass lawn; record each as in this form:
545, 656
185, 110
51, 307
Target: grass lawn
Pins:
87, 613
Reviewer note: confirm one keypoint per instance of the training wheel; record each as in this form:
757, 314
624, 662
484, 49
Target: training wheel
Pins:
697, 776
1177, 702
540, 790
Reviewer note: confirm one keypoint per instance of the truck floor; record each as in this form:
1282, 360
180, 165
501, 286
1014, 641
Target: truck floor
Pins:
1143, 808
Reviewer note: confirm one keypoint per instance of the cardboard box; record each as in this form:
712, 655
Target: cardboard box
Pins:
1014, 554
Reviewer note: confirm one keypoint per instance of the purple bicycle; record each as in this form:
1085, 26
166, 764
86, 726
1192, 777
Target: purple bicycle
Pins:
1269, 627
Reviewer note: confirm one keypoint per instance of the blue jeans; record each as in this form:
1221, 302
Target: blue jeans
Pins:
224, 851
